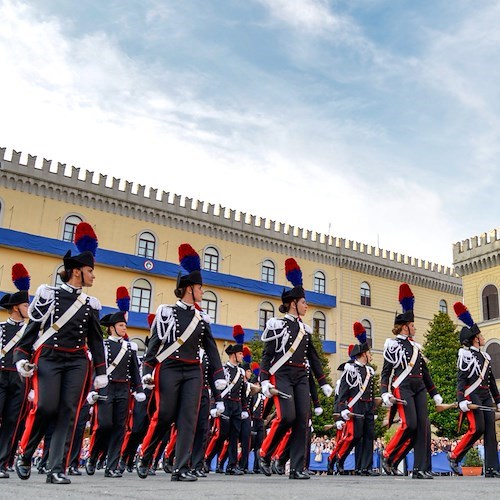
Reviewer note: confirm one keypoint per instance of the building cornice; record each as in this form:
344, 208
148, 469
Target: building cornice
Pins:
476, 254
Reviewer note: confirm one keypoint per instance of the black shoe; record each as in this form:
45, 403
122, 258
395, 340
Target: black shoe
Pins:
151, 472
99, 465
265, 466
419, 474
183, 476
234, 472
57, 478
73, 471
492, 473
257, 471
277, 467
454, 465
90, 467
167, 467
386, 466
295, 474
395, 471
112, 473
121, 466
198, 473
142, 469
130, 468
4, 474
205, 468
369, 472
23, 469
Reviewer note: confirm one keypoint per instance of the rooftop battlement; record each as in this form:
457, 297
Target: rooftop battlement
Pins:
127, 192
477, 253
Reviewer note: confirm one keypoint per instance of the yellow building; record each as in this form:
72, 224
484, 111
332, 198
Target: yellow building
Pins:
242, 256
477, 261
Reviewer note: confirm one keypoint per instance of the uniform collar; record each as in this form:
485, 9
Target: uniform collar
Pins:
291, 317
115, 339
71, 289
356, 362
14, 322
231, 364
183, 305
402, 337
472, 348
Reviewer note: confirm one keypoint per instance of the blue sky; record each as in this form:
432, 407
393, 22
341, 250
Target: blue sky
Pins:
375, 120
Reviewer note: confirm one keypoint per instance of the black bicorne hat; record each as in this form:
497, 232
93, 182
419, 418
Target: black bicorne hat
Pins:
359, 349
406, 317
86, 242
113, 318
294, 276
14, 299
190, 262
233, 348
467, 333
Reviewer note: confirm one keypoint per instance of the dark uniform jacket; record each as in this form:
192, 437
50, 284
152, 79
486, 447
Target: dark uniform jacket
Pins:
127, 370
8, 330
351, 383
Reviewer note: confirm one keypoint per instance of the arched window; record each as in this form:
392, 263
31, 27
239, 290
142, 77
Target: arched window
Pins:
211, 259
209, 305
319, 324
490, 302
146, 245
266, 311
268, 272
493, 349
140, 300
319, 282
57, 279
369, 332
443, 306
69, 227
365, 292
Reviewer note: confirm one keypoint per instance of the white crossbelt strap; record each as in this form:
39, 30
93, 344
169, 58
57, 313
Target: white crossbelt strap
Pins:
180, 340
288, 354
257, 402
72, 310
362, 389
408, 369
476, 384
118, 358
13, 341
227, 390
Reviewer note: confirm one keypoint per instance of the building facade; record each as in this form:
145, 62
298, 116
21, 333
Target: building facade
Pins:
242, 256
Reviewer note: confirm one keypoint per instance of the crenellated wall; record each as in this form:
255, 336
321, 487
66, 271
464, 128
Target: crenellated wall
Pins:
477, 253
86, 188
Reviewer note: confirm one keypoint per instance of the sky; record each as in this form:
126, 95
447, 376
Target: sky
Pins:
371, 120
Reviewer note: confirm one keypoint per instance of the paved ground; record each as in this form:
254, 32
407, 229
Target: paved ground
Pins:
250, 487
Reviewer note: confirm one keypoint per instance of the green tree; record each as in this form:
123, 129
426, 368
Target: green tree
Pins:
441, 348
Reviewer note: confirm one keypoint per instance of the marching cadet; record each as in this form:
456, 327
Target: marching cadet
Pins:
235, 410
287, 346
63, 321
246, 423
476, 385
257, 415
411, 381
13, 389
177, 334
111, 414
357, 405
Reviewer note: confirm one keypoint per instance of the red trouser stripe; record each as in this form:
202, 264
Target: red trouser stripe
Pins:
346, 439
274, 426
281, 447
215, 437
468, 437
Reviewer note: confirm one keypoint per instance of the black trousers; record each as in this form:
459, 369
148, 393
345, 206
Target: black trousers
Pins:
257, 435
111, 419
76, 444
246, 427
291, 413
177, 396
481, 423
414, 428
59, 385
201, 434
12, 395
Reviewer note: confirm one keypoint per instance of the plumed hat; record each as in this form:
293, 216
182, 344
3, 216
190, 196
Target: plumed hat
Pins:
86, 243
238, 334
190, 262
234, 348
294, 276
407, 301
359, 349
123, 303
21, 280
471, 330
247, 354
254, 366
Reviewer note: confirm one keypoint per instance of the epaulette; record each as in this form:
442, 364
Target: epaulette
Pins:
94, 303
133, 346
275, 324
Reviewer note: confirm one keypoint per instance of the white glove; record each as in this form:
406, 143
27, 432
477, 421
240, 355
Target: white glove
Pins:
318, 411
327, 390
91, 398
213, 413
220, 384
244, 415
21, 368
148, 382
498, 406
438, 399
386, 398
339, 424
31, 396
345, 414
219, 407
464, 405
101, 381
266, 387
139, 397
